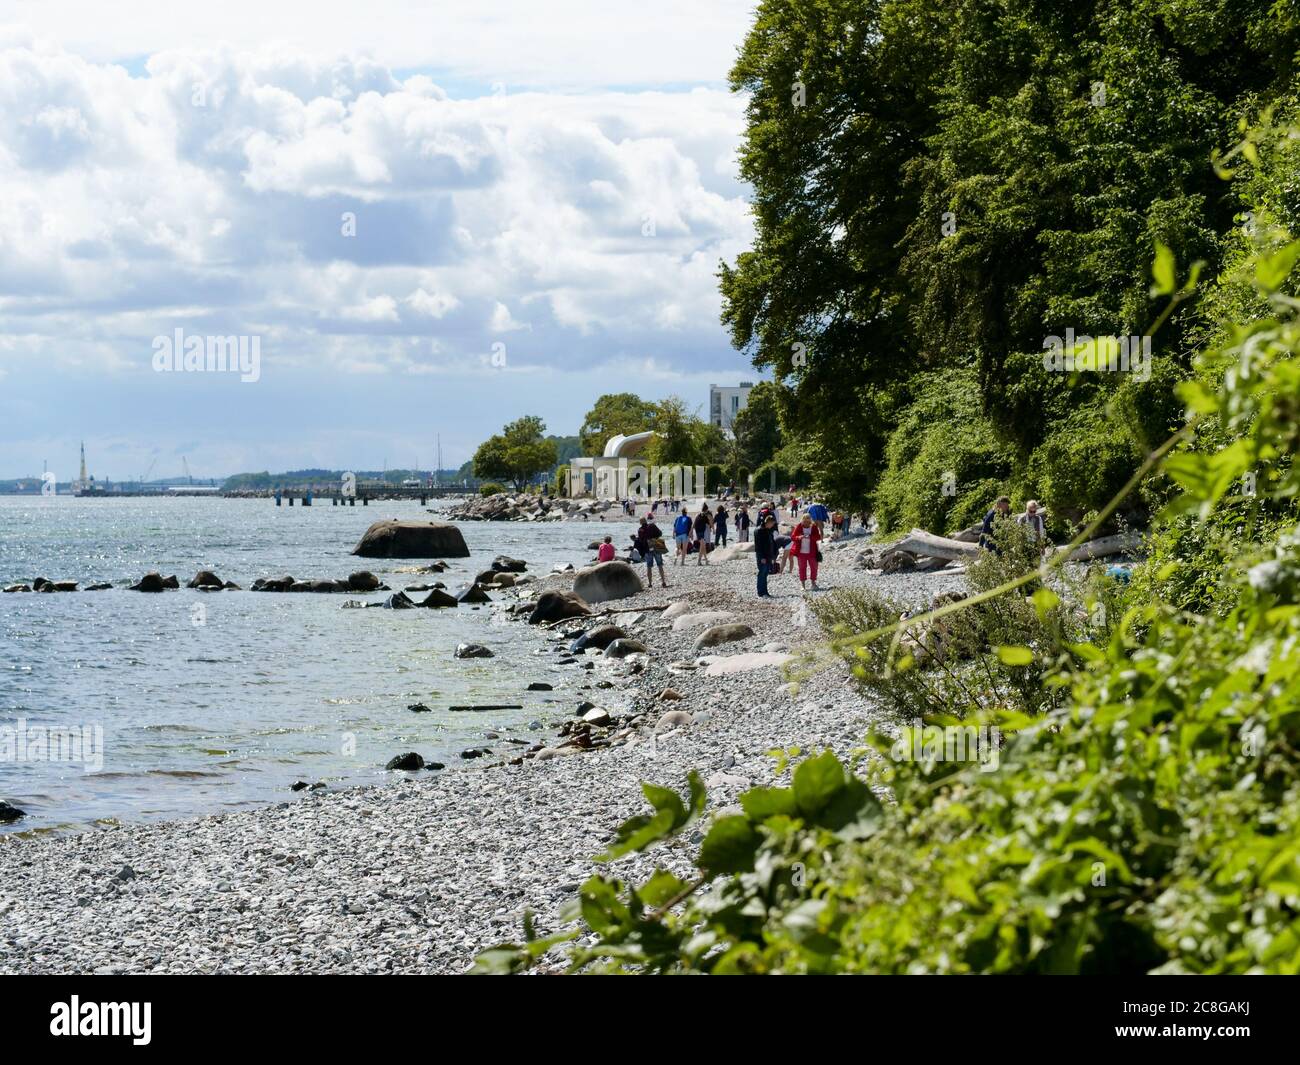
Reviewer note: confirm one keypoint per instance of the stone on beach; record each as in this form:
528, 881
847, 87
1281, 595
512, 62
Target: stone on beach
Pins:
412, 539
673, 719
608, 580
716, 634
600, 637
409, 760
625, 646
556, 606
473, 650
676, 610
726, 665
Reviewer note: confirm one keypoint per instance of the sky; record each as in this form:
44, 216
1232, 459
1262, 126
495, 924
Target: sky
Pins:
425, 218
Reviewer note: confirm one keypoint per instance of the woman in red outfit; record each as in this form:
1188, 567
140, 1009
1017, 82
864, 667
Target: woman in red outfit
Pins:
804, 538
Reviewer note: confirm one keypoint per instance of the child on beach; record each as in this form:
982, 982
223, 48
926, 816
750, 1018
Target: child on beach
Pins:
606, 551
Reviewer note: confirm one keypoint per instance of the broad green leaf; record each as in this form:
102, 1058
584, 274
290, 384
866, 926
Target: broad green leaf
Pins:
665, 800
1096, 354
816, 781
1015, 656
1164, 270
761, 803
1272, 270
729, 847
660, 888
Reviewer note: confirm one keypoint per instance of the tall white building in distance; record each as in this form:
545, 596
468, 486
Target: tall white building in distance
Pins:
725, 403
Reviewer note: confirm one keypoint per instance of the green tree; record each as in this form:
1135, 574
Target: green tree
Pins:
943, 187
517, 454
677, 434
757, 427
612, 414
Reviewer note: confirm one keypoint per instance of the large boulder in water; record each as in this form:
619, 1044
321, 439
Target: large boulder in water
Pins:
412, 539
471, 593
508, 564
205, 577
151, 582
553, 606
363, 581
608, 580
438, 598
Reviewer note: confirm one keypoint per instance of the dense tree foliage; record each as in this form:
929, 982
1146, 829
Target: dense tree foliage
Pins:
683, 437
612, 414
517, 454
940, 188
757, 427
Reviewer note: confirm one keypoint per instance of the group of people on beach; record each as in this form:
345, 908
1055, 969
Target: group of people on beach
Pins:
1031, 519
699, 534
777, 551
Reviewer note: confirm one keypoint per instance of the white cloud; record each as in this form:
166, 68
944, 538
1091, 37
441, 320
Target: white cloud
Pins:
561, 43
367, 205
591, 223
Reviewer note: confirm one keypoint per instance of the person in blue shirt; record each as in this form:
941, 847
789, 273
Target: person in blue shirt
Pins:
682, 534
988, 531
820, 517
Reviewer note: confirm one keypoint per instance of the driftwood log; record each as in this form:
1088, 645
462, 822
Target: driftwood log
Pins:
1118, 544
927, 545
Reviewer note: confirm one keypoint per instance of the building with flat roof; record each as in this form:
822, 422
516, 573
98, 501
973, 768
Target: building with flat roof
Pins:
726, 402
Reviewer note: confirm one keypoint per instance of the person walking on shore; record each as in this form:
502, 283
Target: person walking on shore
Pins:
765, 553
649, 541
804, 539
1033, 521
703, 535
682, 535
720, 526
742, 524
988, 530
820, 515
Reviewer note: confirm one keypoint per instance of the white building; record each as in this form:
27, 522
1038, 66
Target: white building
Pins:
621, 473
725, 403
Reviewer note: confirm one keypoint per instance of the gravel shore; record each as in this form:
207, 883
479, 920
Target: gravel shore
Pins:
419, 876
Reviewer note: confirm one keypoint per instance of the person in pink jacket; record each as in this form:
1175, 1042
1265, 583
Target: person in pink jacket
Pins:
804, 538
606, 552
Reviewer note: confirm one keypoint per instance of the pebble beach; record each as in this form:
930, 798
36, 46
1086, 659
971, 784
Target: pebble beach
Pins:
420, 875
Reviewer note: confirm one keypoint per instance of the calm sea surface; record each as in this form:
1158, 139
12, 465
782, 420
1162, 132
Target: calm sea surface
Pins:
212, 709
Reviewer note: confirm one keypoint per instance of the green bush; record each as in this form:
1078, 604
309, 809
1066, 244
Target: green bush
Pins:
771, 474
1148, 823
944, 465
957, 665
1080, 466
490, 488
